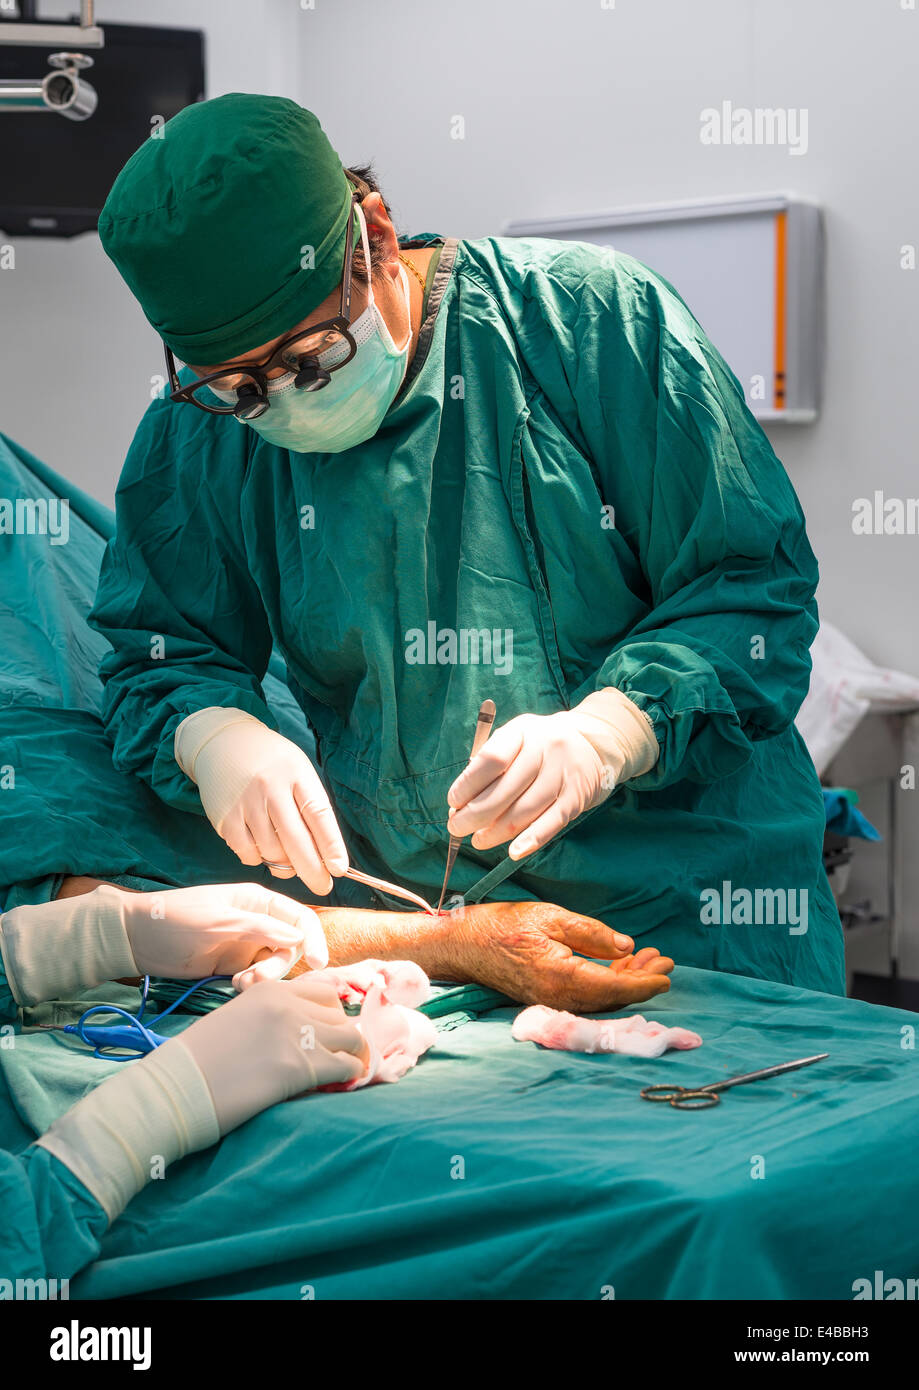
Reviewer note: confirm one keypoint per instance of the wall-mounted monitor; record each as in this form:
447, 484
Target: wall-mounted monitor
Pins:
55, 174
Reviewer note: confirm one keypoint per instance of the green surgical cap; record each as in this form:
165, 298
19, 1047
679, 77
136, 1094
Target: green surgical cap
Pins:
229, 226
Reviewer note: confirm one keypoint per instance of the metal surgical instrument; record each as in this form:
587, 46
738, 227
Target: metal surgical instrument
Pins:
702, 1097
379, 883
482, 730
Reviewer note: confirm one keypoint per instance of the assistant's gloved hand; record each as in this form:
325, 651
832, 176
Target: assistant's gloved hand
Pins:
262, 795
539, 771
275, 1041
298, 1037
55, 950
238, 929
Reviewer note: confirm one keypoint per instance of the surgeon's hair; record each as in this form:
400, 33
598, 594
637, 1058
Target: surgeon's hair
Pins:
364, 180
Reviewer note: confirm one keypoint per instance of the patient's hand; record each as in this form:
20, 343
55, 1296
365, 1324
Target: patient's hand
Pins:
526, 950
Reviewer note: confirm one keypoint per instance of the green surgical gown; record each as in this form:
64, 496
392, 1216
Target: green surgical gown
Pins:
569, 492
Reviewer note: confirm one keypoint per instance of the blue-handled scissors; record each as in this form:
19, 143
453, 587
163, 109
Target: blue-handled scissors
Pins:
703, 1097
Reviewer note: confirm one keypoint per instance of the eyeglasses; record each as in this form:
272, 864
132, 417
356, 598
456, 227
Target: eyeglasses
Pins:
312, 353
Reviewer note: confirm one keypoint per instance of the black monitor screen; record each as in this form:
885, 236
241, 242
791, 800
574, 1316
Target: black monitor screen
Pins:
55, 173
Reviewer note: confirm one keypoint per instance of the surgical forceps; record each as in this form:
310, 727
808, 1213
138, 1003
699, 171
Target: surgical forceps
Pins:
379, 883
703, 1097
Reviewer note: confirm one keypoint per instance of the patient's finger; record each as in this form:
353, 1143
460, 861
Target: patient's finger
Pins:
590, 987
648, 956
644, 986
587, 935
658, 965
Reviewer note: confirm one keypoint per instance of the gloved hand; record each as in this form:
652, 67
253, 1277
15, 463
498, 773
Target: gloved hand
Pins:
238, 929
262, 795
55, 950
269, 1044
539, 771
297, 1035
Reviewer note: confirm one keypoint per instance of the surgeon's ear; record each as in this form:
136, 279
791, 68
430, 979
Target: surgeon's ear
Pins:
381, 233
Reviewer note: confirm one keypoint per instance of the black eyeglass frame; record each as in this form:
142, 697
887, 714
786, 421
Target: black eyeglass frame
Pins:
314, 376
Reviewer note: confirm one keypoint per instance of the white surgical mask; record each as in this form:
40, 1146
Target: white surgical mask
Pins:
350, 408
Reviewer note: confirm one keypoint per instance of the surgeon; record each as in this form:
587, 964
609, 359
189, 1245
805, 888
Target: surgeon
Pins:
431, 472
59, 1196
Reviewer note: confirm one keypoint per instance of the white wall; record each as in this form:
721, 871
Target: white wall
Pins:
573, 107
569, 106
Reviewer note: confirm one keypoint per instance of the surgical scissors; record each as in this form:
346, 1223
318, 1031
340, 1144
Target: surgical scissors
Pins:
703, 1097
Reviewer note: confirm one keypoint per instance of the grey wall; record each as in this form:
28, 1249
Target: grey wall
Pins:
569, 106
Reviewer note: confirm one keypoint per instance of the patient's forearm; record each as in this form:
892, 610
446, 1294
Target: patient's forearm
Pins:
73, 887
361, 933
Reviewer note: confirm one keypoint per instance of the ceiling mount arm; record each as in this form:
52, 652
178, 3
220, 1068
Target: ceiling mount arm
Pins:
62, 90
42, 33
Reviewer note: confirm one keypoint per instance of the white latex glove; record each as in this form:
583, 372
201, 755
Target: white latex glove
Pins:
539, 771
262, 795
55, 950
297, 1037
238, 929
269, 1044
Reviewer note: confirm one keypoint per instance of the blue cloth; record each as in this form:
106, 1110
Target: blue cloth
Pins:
842, 818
